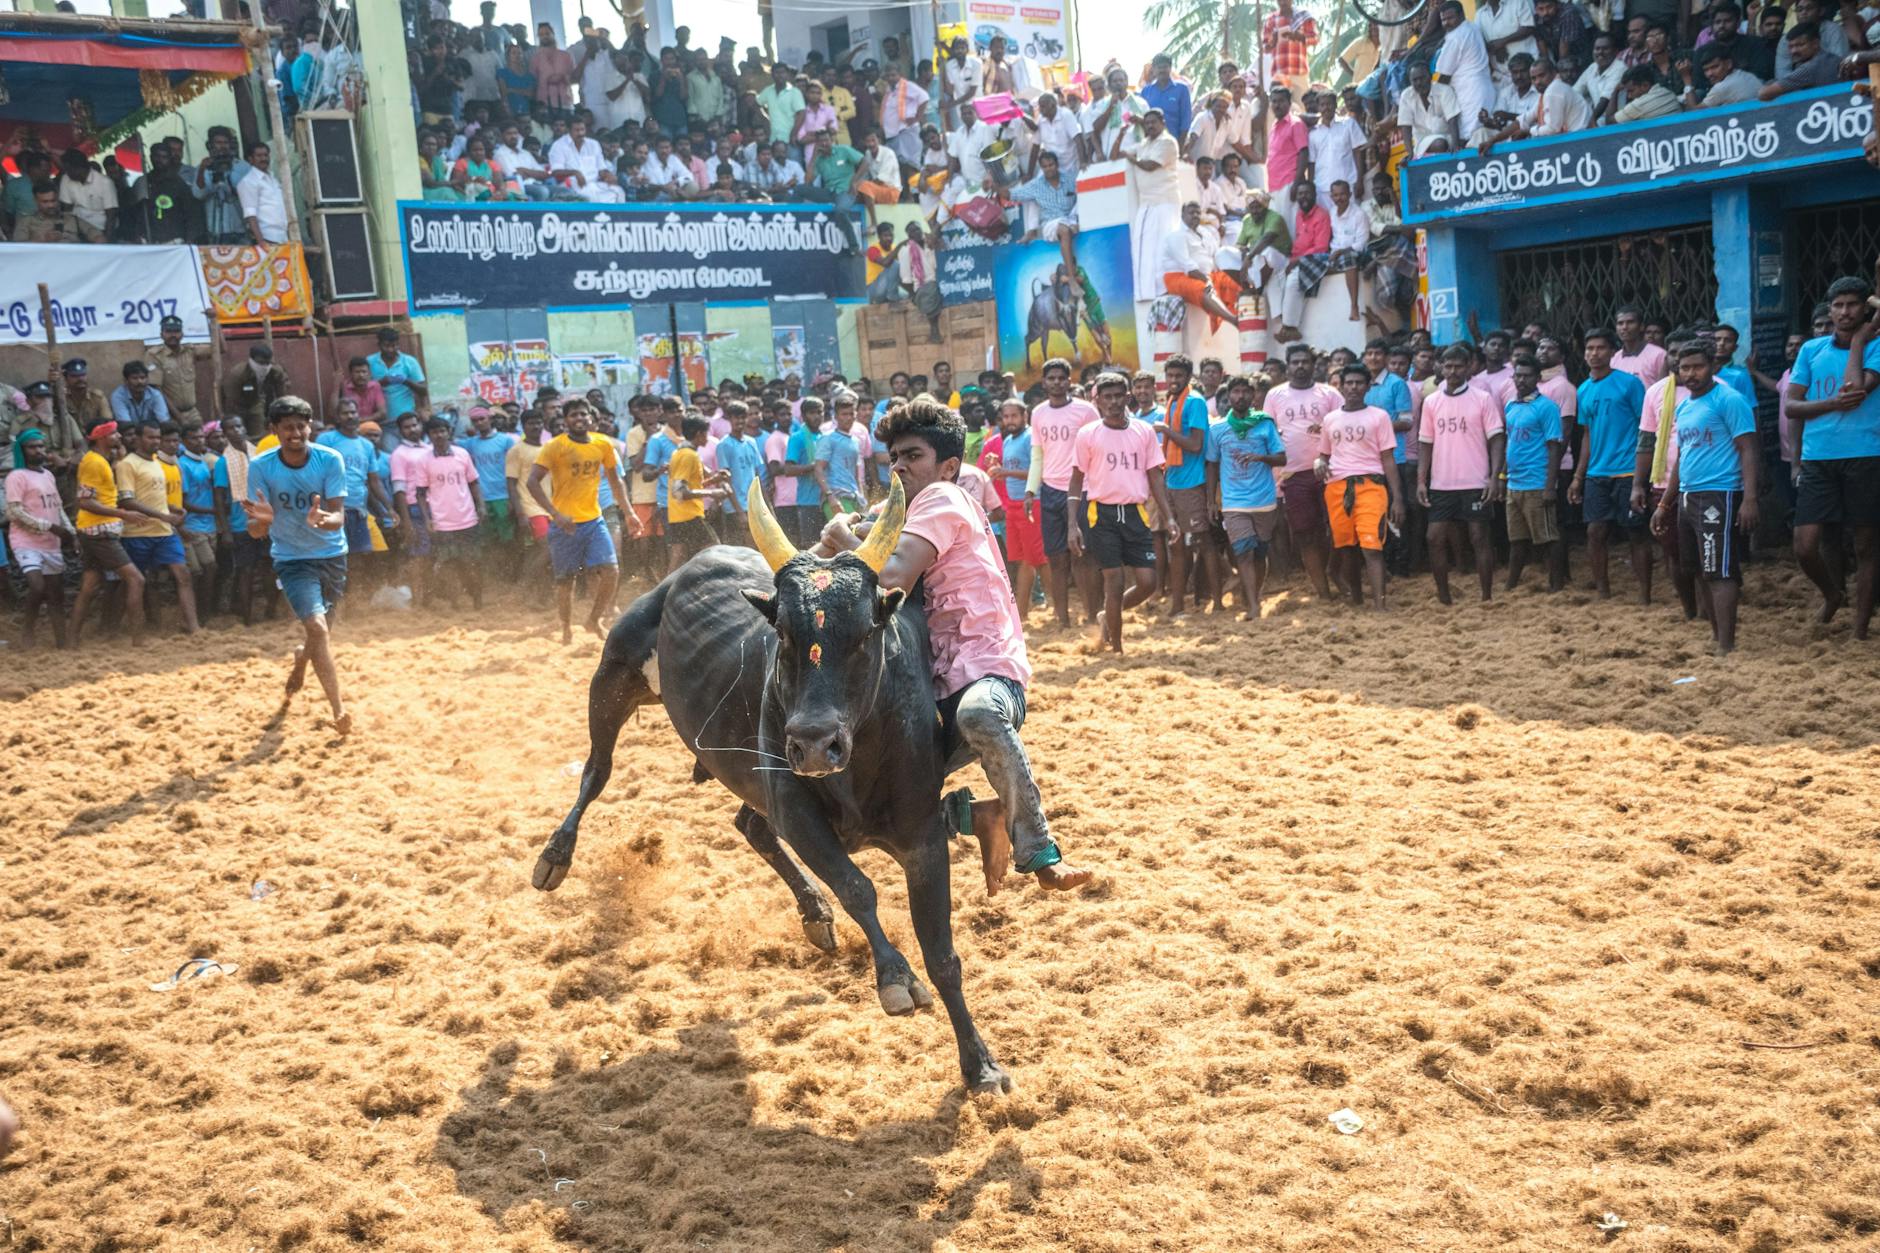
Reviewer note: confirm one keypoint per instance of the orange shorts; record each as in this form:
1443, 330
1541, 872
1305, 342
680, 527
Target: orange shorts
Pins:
1192, 289
646, 521
1363, 526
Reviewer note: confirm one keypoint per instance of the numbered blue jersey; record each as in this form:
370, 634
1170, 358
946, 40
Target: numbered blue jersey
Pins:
292, 491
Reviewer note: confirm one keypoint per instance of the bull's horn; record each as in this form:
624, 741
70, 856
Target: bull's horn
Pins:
886, 532
765, 533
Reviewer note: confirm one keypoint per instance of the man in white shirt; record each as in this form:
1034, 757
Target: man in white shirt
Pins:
1211, 135
515, 163
1427, 112
1462, 62
920, 275
960, 75
1153, 155
666, 172
483, 62
1186, 261
901, 106
1106, 117
264, 209
1337, 145
1513, 102
579, 161
1507, 29
1560, 109
1246, 123
1057, 131
88, 196
1600, 79
1351, 232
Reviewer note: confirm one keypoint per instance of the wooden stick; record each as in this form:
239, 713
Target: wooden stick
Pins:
52, 358
1758, 1044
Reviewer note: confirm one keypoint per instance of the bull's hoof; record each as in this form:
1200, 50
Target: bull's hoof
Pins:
549, 874
991, 1081
899, 1000
821, 934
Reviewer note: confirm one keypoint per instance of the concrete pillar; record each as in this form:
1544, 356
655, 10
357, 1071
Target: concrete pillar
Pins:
1747, 246
386, 139
1462, 277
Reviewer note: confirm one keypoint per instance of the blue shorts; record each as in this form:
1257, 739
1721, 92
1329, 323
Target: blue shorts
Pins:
358, 533
152, 552
1610, 500
590, 546
312, 585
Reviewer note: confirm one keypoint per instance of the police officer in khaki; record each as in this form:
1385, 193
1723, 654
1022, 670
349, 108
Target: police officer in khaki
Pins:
173, 372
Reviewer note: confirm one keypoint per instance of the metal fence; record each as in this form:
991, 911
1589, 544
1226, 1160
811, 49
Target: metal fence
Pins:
1569, 288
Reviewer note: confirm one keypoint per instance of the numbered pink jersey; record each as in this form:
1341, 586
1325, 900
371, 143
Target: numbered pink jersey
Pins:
1055, 432
1116, 463
1457, 427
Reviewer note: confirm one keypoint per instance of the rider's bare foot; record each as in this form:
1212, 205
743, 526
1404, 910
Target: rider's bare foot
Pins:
1063, 877
995, 842
342, 723
297, 677
594, 625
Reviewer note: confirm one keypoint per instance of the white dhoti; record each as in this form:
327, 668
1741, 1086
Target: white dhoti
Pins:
1154, 223
906, 145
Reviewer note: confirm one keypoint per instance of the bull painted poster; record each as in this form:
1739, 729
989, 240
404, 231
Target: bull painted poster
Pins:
565, 256
1088, 318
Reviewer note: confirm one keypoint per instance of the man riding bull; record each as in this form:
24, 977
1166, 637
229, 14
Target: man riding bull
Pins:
979, 663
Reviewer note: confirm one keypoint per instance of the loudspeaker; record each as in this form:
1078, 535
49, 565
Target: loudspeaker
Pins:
331, 157
346, 251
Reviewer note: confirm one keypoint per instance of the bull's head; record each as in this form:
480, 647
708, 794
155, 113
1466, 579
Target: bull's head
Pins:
826, 611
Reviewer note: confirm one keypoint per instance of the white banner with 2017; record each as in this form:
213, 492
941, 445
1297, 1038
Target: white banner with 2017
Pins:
101, 292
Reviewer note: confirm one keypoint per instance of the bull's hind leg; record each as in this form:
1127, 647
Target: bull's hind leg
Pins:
618, 688
819, 923
930, 902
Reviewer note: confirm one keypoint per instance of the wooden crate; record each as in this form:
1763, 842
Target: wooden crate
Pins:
897, 337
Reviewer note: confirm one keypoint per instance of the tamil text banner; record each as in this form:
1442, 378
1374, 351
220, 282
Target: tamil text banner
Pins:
574, 256
101, 292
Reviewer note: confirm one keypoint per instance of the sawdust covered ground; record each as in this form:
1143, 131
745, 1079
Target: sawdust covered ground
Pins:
1487, 877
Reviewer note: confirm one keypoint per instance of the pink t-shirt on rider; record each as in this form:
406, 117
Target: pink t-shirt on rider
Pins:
1053, 432
1457, 427
1116, 463
971, 616
1357, 441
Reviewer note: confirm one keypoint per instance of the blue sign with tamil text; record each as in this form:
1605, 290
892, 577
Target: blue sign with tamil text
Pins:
1731, 141
462, 256
966, 275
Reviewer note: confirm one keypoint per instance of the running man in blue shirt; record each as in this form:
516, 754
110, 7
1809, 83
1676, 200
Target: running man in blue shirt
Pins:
1243, 449
1531, 423
1714, 483
838, 462
364, 489
1610, 403
296, 499
1838, 411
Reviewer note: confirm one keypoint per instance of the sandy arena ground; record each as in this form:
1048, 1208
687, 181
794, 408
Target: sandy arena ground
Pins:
1485, 876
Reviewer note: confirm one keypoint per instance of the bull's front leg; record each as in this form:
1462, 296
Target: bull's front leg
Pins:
930, 902
819, 924
616, 691
799, 820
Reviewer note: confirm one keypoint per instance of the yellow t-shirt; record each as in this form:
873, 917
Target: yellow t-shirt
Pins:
96, 479
688, 469
517, 462
639, 491
142, 480
270, 440
574, 473
172, 485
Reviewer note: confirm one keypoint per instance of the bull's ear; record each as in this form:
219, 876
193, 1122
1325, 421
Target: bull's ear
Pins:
763, 602
886, 603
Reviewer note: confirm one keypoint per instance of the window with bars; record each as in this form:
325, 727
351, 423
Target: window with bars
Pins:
1571, 288
1827, 243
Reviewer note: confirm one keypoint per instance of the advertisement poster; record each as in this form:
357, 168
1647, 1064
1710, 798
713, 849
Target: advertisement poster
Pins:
1033, 29
1088, 318
789, 347
966, 275
656, 362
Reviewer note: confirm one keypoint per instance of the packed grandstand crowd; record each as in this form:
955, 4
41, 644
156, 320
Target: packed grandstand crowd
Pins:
1505, 448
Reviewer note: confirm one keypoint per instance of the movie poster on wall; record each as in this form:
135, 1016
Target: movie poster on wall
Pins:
1088, 318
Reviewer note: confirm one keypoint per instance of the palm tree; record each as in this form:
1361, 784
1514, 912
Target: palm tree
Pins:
1199, 33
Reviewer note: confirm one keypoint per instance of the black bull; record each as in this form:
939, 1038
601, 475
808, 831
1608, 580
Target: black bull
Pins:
809, 694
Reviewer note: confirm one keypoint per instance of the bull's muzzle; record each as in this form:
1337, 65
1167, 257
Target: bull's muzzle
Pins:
816, 748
